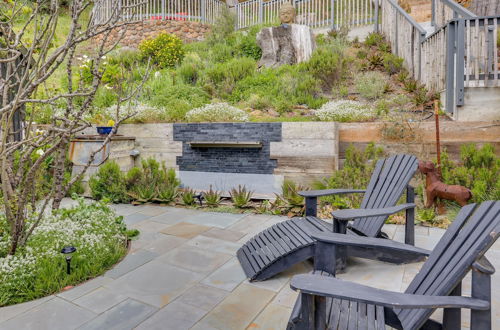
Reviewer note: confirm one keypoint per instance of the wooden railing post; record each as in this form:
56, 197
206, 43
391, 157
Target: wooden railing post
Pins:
261, 11
203, 9
450, 67
376, 16
459, 77
332, 12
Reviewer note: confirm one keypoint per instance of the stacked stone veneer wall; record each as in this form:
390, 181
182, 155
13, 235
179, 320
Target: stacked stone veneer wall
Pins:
133, 34
223, 159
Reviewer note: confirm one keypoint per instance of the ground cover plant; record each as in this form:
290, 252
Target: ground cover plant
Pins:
39, 269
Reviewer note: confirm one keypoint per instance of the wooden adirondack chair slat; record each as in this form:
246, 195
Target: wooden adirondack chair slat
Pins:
285, 240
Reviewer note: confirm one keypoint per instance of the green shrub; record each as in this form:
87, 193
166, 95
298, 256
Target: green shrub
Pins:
153, 181
374, 39
421, 96
241, 196
165, 50
223, 26
375, 60
246, 44
392, 63
328, 64
223, 76
478, 172
382, 107
190, 69
125, 57
290, 193
426, 215
212, 197
371, 85
344, 111
217, 112
356, 173
410, 85
108, 183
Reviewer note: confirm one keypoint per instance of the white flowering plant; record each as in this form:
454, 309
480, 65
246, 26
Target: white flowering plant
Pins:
216, 112
345, 111
39, 268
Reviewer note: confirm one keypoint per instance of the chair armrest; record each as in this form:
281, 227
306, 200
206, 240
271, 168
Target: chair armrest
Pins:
336, 288
327, 192
349, 214
367, 242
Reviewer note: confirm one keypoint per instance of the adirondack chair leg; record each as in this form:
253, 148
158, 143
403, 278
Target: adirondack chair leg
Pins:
311, 206
452, 316
410, 217
307, 311
481, 289
325, 257
341, 228
319, 312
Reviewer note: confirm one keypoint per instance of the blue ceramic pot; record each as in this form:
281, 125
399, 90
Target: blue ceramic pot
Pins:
104, 130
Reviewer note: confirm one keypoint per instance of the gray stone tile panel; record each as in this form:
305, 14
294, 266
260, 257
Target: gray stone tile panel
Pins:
174, 316
54, 314
155, 283
214, 244
131, 262
227, 277
203, 297
198, 260
84, 288
100, 300
224, 234
126, 315
215, 219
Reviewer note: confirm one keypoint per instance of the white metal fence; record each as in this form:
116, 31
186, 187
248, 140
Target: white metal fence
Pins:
179, 10
314, 13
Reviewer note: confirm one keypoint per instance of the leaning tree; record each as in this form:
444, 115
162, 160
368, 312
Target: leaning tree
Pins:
27, 63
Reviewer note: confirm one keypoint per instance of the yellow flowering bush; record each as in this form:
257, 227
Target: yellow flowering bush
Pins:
166, 50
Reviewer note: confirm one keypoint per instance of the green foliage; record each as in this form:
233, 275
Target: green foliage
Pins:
421, 96
374, 39
410, 85
246, 44
216, 112
212, 197
109, 183
221, 78
165, 50
426, 215
290, 193
188, 197
371, 85
328, 64
190, 69
153, 181
356, 173
478, 172
39, 269
375, 60
241, 196
223, 26
344, 111
392, 63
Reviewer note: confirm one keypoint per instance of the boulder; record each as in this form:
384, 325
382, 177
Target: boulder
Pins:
285, 44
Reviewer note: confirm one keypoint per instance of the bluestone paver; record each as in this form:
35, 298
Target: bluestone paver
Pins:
131, 262
214, 244
9, 312
164, 244
215, 219
155, 283
273, 317
100, 300
124, 316
203, 297
84, 288
224, 234
135, 218
185, 230
239, 308
197, 260
174, 316
54, 314
227, 277
175, 215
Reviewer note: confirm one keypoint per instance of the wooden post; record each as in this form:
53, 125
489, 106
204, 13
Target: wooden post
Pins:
481, 289
410, 217
311, 206
438, 142
452, 316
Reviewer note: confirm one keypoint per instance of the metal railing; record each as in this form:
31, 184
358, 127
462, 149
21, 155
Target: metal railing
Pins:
461, 53
445, 10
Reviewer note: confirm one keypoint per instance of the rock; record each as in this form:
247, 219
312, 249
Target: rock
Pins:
285, 44
256, 113
273, 113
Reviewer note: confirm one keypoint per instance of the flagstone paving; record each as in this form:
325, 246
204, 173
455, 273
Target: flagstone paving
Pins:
182, 273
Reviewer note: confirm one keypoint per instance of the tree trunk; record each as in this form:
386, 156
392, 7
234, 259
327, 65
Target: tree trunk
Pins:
59, 174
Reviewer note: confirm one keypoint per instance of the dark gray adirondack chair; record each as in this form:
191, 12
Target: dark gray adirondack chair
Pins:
279, 247
329, 303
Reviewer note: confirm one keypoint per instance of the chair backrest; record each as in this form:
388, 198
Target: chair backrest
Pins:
389, 179
474, 230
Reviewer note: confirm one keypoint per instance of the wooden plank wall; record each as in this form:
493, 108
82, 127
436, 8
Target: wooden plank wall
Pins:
453, 135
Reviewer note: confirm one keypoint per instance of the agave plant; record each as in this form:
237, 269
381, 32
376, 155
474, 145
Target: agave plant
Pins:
188, 197
167, 193
143, 194
212, 197
241, 196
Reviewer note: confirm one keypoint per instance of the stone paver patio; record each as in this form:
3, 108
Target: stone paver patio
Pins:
182, 273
